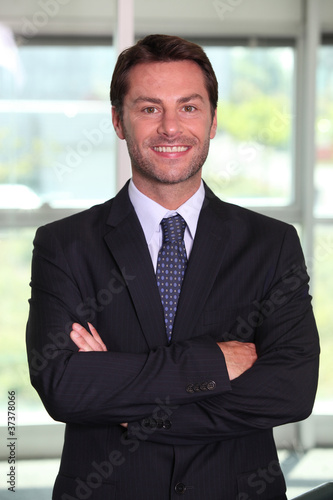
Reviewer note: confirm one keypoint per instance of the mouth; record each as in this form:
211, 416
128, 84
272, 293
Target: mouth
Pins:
171, 149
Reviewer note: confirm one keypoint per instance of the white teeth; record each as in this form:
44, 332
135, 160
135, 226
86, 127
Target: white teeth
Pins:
171, 149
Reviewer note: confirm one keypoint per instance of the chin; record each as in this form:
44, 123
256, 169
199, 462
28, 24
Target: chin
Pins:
174, 179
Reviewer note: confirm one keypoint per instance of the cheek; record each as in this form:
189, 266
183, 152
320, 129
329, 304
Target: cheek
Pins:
141, 129
202, 131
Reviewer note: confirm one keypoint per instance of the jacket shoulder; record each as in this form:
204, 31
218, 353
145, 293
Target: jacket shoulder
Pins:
89, 221
244, 217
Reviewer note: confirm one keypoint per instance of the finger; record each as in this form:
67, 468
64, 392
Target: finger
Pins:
80, 342
96, 336
83, 339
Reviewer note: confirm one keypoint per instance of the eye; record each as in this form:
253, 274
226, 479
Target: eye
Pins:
189, 109
150, 110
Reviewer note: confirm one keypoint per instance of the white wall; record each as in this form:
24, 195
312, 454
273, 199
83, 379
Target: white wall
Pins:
212, 18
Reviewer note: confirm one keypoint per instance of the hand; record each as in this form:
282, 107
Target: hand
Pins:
239, 357
84, 340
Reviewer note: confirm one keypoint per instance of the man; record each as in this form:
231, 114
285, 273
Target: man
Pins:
170, 375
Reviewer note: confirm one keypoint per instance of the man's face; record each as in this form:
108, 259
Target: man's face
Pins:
167, 122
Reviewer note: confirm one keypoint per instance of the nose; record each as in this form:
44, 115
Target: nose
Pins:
170, 125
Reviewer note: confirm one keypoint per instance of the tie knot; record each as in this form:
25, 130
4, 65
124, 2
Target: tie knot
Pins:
173, 228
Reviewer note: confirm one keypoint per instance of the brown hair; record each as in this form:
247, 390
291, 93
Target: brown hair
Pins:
160, 48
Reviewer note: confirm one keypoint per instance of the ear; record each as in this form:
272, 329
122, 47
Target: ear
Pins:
213, 126
116, 120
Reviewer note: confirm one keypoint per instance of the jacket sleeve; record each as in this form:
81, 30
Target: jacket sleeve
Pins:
103, 387
281, 386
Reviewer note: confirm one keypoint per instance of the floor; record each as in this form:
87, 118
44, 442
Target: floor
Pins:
302, 472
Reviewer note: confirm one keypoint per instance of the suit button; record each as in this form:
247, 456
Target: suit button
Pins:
203, 386
166, 424
159, 423
190, 388
196, 387
211, 385
146, 422
180, 488
153, 423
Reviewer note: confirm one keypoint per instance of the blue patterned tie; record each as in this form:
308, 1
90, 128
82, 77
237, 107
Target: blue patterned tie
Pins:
171, 265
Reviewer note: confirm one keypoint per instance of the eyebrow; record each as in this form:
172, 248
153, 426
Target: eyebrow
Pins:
181, 100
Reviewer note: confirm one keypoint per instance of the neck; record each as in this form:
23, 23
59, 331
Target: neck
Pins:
169, 196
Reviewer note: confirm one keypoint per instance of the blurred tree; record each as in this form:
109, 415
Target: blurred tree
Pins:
262, 119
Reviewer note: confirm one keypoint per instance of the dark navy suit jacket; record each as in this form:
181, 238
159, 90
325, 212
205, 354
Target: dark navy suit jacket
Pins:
191, 432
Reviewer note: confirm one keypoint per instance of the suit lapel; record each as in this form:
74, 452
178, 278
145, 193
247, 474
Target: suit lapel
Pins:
126, 242
209, 247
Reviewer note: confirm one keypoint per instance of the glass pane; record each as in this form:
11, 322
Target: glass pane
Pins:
57, 144
15, 251
324, 133
250, 160
323, 293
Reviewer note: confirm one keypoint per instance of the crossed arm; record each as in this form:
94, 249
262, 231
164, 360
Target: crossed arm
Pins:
238, 356
279, 388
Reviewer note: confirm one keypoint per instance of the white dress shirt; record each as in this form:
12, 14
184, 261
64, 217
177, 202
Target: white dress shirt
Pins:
151, 213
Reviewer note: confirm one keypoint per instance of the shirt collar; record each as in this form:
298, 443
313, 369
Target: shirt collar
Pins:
151, 213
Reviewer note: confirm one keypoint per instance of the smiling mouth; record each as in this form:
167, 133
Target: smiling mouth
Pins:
171, 149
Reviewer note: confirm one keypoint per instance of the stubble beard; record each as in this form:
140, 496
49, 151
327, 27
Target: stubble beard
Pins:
147, 168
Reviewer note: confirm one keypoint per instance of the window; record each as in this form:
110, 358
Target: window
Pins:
57, 153
322, 265
55, 122
324, 133
251, 159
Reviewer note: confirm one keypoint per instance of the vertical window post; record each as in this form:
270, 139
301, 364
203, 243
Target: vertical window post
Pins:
124, 39
308, 130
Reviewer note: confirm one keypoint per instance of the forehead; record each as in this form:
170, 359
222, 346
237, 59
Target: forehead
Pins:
166, 80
